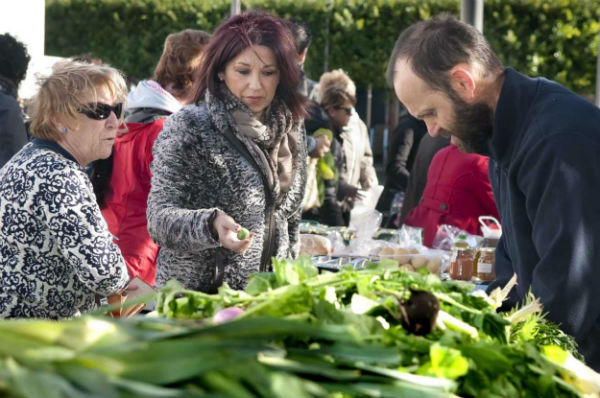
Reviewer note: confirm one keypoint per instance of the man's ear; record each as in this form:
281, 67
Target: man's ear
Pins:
462, 81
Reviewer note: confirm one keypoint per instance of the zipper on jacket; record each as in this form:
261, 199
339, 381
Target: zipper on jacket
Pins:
268, 241
267, 251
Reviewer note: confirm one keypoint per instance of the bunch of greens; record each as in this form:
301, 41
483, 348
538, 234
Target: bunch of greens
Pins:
158, 357
467, 341
297, 333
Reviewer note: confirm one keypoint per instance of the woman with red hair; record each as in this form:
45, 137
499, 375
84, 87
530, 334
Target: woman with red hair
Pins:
234, 159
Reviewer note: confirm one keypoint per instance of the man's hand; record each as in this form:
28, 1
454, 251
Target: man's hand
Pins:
323, 146
227, 230
116, 299
354, 193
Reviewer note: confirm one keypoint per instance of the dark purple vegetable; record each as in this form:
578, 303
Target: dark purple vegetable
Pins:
419, 313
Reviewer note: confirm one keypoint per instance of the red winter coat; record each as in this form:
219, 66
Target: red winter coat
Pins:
127, 198
457, 192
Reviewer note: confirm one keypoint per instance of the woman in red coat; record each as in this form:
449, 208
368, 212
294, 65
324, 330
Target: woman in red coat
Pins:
457, 192
148, 105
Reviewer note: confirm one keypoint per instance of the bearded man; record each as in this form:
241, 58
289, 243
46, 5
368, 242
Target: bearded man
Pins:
544, 147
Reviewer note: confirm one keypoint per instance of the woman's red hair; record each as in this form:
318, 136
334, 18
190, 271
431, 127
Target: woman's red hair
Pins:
245, 30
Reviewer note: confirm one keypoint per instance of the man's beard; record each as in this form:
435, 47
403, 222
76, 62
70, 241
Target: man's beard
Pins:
473, 126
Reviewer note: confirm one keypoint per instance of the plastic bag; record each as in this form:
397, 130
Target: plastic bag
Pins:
337, 243
447, 234
369, 198
365, 223
410, 236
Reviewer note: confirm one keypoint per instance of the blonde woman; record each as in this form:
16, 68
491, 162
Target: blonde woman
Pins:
337, 94
56, 253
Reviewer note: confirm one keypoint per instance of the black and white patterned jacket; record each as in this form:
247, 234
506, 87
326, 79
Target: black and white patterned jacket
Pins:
56, 252
196, 170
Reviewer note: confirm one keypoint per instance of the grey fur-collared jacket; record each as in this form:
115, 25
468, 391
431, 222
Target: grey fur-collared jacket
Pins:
196, 169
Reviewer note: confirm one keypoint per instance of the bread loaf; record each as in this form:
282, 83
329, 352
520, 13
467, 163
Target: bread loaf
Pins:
315, 245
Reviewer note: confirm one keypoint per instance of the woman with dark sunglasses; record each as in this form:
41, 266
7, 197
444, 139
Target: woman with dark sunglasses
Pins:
57, 256
234, 159
352, 150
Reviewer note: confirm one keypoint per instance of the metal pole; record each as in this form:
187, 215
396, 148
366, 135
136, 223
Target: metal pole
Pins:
236, 7
369, 103
598, 74
329, 6
471, 12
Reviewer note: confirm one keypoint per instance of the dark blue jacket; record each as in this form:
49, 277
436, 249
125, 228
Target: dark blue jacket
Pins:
13, 135
545, 173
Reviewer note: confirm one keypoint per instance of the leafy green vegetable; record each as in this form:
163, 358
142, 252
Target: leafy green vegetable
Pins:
300, 333
444, 362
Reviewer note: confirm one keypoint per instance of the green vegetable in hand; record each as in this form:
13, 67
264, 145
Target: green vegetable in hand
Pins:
323, 131
324, 170
243, 233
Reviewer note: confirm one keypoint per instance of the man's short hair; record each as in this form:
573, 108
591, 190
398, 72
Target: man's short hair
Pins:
435, 46
301, 32
14, 59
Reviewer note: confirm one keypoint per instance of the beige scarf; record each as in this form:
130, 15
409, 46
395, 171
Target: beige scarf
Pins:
273, 152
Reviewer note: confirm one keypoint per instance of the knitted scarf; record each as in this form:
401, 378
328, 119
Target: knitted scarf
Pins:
269, 142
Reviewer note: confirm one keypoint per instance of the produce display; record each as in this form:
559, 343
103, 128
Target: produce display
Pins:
380, 331
411, 258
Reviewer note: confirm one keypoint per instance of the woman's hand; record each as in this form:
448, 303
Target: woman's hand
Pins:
227, 230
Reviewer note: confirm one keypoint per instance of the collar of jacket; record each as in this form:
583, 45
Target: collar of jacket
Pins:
8, 87
53, 146
512, 113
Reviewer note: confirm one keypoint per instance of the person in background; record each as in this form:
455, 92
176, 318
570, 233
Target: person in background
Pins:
319, 146
148, 105
543, 142
302, 39
57, 252
457, 192
236, 160
401, 156
337, 189
14, 60
428, 147
357, 170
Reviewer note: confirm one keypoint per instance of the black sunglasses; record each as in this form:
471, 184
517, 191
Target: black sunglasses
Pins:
100, 111
341, 108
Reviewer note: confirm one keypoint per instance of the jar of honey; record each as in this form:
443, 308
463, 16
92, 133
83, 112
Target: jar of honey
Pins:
461, 263
485, 264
